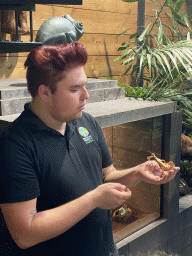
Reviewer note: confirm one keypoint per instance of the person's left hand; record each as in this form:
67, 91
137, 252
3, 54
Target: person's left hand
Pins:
150, 172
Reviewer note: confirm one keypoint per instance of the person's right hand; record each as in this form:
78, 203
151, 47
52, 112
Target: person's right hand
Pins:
111, 195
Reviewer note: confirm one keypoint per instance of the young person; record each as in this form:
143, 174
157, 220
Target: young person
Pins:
57, 179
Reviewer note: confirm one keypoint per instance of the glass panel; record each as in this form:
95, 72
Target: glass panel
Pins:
129, 145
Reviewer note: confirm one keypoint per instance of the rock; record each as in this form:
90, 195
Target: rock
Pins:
122, 214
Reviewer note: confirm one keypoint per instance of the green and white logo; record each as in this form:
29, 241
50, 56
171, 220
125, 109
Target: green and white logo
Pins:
85, 134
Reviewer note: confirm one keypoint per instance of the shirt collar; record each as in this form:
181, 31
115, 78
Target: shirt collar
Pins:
35, 123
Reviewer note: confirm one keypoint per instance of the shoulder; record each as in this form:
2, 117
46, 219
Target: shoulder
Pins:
87, 116
15, 131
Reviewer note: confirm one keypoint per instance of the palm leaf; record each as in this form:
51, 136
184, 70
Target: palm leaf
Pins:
149, 64
163, 57
187, 22
124, 32
179, 4
141, 37
172, 57
181, 58
129, 60
125, 54
160, 34
156, 54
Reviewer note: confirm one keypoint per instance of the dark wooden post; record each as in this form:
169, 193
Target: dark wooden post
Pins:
171, 146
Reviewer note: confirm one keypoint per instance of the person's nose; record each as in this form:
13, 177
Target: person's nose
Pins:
85, 93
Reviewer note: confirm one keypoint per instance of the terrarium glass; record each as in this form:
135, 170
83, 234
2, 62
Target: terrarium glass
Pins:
129, 145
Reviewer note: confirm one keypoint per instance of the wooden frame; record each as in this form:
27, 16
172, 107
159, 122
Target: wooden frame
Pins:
20, 2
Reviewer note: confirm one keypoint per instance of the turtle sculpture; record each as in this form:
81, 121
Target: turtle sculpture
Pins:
58, 30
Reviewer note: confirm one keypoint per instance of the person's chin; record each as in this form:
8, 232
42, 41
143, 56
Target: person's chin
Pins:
78, 115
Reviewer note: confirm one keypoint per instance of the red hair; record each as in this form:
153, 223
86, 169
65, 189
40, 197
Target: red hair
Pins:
47, 64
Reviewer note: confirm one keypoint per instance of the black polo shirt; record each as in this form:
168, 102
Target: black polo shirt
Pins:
39, 162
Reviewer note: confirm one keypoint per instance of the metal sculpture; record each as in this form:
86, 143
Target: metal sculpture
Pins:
57, 30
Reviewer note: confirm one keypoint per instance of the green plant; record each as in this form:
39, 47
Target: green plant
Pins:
170, 49
164, 61
186, 171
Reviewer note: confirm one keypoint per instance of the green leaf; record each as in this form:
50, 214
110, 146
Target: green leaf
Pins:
160, 34
188, 125
169, 2
173, 59
187, 22
166, 62
143, 34
180, 57
188, 36
141, 66
154, 38
179, 4
124, 32
165, 40
187, 55
149, 64
133, 36
175, 14
160, 61
180, 23
124, 55
134, 69
188, 113
127, 70
172, 30
124, 47
129, 60
140, 50
155, 2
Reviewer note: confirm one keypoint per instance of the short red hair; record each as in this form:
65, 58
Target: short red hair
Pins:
47, 64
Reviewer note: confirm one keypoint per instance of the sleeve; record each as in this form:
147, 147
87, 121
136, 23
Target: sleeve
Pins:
18, 179
106, 156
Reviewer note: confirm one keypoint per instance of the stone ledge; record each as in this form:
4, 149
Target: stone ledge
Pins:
113, 112
185, 202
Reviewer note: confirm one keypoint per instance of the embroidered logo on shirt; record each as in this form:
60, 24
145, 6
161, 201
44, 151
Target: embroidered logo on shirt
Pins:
85, 134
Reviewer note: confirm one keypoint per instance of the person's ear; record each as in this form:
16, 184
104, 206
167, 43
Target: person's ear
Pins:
44, 92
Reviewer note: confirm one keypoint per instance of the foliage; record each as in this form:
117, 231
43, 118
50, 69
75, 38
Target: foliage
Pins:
186, 171
164, 61
169, 51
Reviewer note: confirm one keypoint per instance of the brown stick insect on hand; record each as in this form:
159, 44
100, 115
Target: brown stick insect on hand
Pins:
165, 166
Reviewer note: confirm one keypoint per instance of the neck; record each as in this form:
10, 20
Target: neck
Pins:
41, 111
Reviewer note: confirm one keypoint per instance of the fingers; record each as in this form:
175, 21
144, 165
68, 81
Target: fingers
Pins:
169, 175
153, 166
118, 186
124, 195
111, 195
176, 169
121, 191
